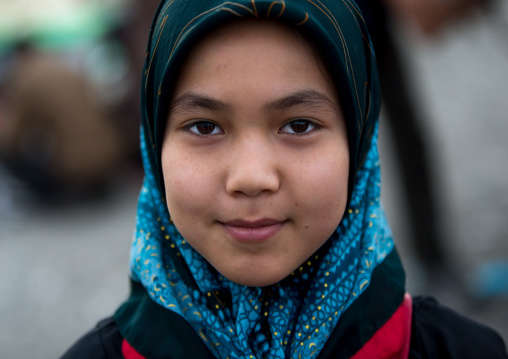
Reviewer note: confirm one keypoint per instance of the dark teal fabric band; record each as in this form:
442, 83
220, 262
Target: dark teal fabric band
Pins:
156, 332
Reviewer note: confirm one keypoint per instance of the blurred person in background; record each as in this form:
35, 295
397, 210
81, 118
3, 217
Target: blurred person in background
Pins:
56, 137
429, 18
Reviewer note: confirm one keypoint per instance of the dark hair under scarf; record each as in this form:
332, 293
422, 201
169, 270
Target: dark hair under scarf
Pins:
355, 275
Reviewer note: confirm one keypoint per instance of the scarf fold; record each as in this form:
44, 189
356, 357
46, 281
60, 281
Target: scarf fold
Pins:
295, 317
160, 333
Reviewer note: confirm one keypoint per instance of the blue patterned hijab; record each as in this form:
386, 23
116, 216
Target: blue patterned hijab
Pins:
295, 317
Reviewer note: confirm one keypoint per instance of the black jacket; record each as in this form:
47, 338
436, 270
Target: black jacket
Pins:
437, 332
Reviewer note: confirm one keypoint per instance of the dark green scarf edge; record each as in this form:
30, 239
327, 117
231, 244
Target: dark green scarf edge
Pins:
156, 332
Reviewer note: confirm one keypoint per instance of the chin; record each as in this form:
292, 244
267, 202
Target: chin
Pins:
255, 278
254, 282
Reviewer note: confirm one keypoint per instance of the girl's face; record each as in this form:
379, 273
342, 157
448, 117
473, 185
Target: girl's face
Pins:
255, 156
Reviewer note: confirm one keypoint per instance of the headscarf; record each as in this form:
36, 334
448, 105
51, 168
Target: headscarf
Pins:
295, 317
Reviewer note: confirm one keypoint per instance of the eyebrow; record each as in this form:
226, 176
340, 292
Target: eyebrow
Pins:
310, 98
190, 101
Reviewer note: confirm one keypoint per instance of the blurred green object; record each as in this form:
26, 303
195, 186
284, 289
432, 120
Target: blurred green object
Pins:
57, 23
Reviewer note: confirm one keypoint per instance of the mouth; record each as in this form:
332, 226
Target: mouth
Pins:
252, 231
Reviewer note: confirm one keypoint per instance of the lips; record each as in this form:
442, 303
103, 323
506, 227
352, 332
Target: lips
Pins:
252, 231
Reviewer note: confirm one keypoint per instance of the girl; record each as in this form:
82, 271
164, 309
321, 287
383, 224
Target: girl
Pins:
260, 233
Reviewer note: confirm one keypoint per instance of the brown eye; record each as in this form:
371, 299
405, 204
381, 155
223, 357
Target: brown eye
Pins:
298, 127
205, 128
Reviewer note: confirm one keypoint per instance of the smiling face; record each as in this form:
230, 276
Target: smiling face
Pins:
255, 155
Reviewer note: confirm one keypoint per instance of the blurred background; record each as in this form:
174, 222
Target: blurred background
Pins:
70, 169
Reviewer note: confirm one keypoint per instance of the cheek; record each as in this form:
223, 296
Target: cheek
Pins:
189, 185
323, 188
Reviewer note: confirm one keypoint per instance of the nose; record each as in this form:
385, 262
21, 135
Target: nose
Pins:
253, 169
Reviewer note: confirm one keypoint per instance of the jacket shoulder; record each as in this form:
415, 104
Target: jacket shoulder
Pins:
102, 342
440, 332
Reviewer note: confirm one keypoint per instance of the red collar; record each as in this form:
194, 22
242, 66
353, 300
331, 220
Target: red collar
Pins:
393, 339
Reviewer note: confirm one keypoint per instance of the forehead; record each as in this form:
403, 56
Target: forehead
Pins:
240, 52
253, 32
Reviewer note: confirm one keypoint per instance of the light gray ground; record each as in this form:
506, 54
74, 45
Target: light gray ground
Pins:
63, 270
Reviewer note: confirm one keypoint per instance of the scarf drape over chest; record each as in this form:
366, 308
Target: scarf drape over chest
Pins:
295, 317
